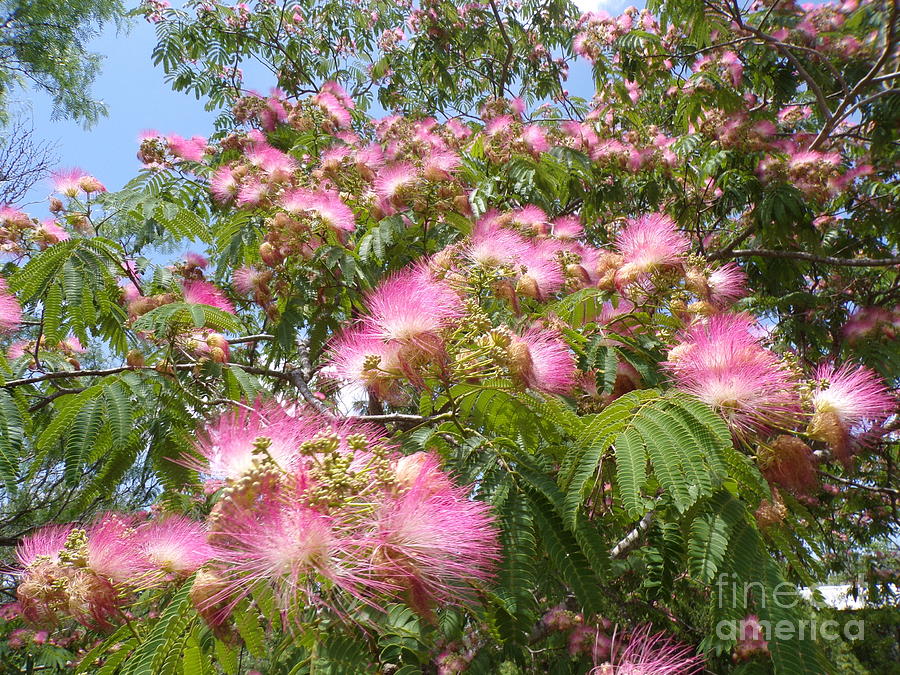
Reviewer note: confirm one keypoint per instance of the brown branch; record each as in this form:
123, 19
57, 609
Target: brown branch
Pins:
782, 49
62, 375
510, 50
800, 255
630, 540
841, 111
860, 486
739, 239
249, 338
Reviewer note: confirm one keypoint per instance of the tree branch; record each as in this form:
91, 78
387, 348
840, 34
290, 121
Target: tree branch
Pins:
860, 486
841, 111
510, 50
800, 255
630, 540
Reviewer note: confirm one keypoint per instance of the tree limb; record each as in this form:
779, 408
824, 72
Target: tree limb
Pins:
630, 540
811, 257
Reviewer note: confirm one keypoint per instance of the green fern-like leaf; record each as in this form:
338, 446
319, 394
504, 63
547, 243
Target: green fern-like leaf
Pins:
631, 471
166, 632
185, 315
12, 436
597, 436
82, 437
563, 551
710, 533
339, 654
248, 626
66, 412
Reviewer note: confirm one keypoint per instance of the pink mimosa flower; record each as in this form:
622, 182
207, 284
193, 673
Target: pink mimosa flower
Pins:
499, 125
854, 394
652, 241
275, 163
727, 284
223, 185
535, 139
458, 129
66, 181
393, 181
111, 553
724, 365
10, 311
652, 654
335, 109
72, 344
292, 547
492, 244
412, 309
247, 280
49, 232
540, 274
567, 227
532, 218
206, 293
196, 260
251, 192
541, 360
435, 543
173, 547
326, 204
227, 444
192, 149
361, 358
48, 541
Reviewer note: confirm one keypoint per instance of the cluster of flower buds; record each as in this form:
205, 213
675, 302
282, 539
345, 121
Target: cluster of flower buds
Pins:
788, 462
723, 362
154, 10
157, 151
751, 639
90, 574
192, 289
20, 638
771, 511
17, 231
328, 514
69, 348
598, 31
815, 174
324, 511
454, 657
737, 130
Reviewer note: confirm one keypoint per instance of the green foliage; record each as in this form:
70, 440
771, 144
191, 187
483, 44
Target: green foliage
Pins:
43, 44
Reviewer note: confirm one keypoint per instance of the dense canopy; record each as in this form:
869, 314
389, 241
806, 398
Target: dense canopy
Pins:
420, 362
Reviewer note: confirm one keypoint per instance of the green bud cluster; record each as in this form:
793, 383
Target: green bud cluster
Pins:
74, 552
335, 482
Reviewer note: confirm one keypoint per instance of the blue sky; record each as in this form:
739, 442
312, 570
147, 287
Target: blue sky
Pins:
138, 97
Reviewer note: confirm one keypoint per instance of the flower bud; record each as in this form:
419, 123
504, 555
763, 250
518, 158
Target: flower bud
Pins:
528, 286
218, 355
135, 359
696, 282
269, 254
90, 184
